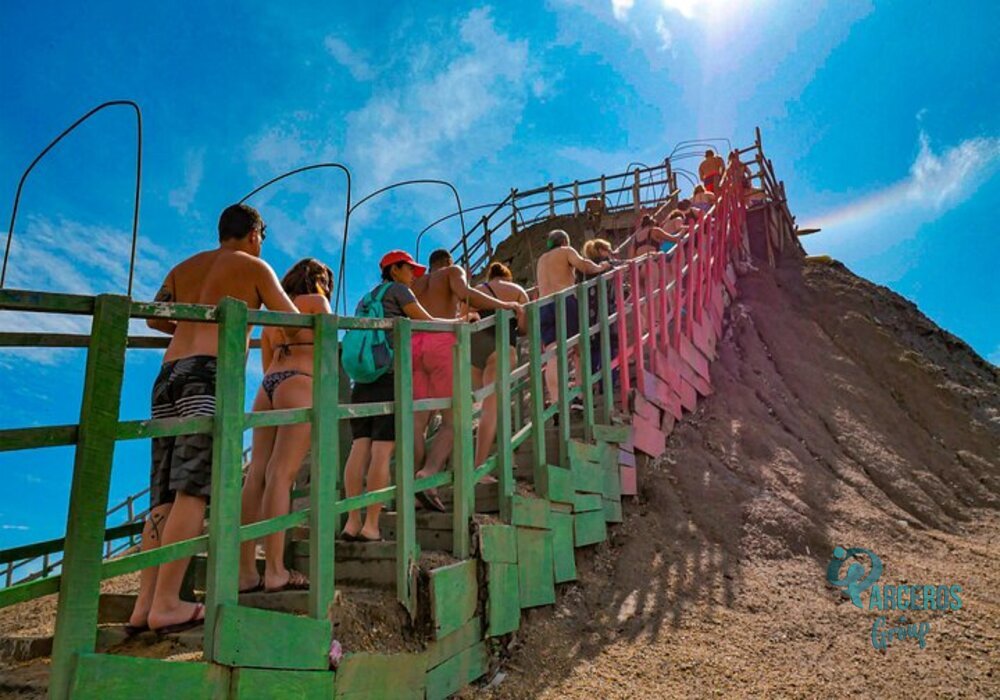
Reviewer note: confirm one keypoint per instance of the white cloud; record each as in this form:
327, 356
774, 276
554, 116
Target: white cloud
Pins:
942, 181
182, 197
445, 114
346, 56
663, 31
279, 148
686, 8
621, 8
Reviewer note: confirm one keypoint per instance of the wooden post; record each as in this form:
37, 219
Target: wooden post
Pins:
583, 349
562, 372
652, 297
489, 240
463, 454
227, 477
80, 588
536, 384
552, 200
406, 523
640, 379
624, 381
576, 197
604, 188
636, 194
505, 450
678, 286
513, 211
324, 465
664, 301
607, 387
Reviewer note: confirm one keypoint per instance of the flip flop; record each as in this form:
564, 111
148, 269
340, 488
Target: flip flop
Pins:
254, 589
133, 630
430, 501
297, 581
348, 537
362, 538
193, 622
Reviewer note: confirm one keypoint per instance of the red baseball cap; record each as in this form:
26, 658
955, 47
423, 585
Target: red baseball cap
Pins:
401, 256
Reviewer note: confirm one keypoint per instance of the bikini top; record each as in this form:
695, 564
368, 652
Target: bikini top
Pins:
285, 349
485, 313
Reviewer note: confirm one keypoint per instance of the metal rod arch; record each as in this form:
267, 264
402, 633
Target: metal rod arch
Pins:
138, 184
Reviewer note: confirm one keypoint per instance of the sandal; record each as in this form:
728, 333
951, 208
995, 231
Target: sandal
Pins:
134, 630
297, 581
254, 589
430, 501
197, 619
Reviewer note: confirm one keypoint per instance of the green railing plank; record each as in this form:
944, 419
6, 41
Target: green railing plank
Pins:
562, 373
583, 309
76, 614
505, 450
13, 439
282, 416
46, 302
163, 427
607, 391
406, 524
227, 471
38, 549
536, 383
324, 465
463, 454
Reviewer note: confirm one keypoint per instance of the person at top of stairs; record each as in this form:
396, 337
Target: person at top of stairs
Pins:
278, 451
710, 170
556, 271
180, 481
441, 292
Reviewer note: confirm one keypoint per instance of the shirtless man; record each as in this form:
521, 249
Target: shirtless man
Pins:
180, 480
711, 169
440, 291
556, 271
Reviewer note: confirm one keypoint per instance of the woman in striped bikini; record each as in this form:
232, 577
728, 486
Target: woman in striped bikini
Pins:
278, 452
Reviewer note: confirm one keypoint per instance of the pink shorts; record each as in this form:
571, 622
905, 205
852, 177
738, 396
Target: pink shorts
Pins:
433, 365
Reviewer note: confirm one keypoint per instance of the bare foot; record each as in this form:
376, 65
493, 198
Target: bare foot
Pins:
251, 584
370, 534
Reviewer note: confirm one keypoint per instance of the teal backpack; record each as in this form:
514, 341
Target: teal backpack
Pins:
367, 353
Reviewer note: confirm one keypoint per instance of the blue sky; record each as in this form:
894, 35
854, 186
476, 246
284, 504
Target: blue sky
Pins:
881, 119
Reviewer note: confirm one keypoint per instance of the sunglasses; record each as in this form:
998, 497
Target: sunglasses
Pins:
263, 232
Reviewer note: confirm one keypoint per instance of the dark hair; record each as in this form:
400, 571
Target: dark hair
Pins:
647, 220
709, 153
308, 276
499, 271
440, 255
684, 204
556, 239
387, 271
237, 221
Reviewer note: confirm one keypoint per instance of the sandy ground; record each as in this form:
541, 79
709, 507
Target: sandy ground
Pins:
842, 416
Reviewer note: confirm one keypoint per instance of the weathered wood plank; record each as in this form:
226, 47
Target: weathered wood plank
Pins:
560, 484
470, 633
503, 607
368, 675
693, 356
626, 459
534, 567
227, 476
505, 428
612, 433
112, 677
537, 391
265, 684
324, 465
76, 613
498, 544
648, 438
584, 502
268, 639
589, 528
607, 393
588, 476
630, 485
530, 512
612, 511
463, 453
405, 525
663, 396
563, 551
612, 480
454, 591
457, 672
642, 406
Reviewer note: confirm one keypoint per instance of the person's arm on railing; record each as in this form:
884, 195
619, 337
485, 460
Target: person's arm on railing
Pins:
266, 349
587, 267
473, 297
165, 295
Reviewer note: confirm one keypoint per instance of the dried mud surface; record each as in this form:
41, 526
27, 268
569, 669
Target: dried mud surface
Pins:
841, 416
